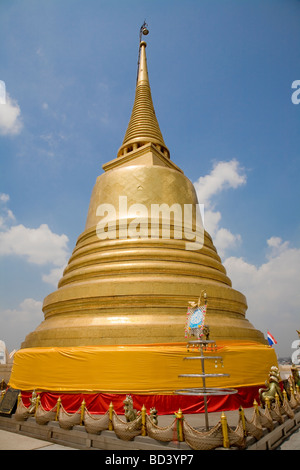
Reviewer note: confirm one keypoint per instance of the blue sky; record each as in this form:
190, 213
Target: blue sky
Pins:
221, 74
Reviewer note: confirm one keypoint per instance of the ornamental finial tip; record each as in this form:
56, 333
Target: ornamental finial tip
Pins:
144, 30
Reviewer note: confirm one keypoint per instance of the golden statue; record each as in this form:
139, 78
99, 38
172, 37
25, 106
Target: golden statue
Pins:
272, 387
33, 402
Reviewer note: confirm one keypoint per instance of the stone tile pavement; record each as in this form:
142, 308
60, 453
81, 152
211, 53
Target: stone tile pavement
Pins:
292, 442
13, 441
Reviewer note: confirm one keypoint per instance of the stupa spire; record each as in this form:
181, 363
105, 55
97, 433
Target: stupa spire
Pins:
143, 127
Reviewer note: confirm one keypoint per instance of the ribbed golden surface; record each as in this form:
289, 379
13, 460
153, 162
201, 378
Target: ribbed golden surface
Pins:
143, 125
136, 291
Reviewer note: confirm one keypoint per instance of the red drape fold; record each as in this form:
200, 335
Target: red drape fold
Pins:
98, 403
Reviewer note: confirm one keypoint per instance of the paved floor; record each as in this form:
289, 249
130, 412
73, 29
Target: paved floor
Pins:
292, 443
14, 441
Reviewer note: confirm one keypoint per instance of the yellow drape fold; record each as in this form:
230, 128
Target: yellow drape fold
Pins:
137, 368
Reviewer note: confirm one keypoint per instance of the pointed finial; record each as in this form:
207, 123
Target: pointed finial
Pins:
143, 127
144, 30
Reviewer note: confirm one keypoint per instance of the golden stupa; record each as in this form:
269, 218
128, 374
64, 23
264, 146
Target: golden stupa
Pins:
118, 316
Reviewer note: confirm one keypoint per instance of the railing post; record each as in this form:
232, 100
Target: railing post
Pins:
110, 414
285, 397
38, 399
224, 424
242, 415
179, 417
144, 429
255, 405
57, 408
292, 393
82, 412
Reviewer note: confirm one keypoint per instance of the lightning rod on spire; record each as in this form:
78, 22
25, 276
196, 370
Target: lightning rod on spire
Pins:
143, 30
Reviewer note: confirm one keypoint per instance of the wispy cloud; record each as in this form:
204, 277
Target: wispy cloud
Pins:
272, 290
39, 245
22, 319
29, 310
54, 276
224, 176
10, 117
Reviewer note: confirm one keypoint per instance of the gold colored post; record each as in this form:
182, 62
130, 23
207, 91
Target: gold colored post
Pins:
255, 405
224, 424
19, 399
277, 398
57, 408
292, 392
268, 403
242, 415
110, 413
284, 395
144, 429
38, 399
179, 416
82, 412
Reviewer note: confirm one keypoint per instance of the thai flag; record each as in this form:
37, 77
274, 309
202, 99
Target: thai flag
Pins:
271, 339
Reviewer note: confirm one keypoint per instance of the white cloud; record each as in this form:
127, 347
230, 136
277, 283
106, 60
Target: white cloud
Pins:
272, 290
10, 117
2, 92
225, 240
38, 245
18, 322
54, 276
224, 175
28, 310
4, 198
6, 215
276, 246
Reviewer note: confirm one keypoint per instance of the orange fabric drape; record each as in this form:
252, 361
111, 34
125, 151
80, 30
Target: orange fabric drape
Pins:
137, 369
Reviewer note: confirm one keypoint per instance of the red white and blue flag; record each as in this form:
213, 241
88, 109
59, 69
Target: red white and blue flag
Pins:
271, 339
